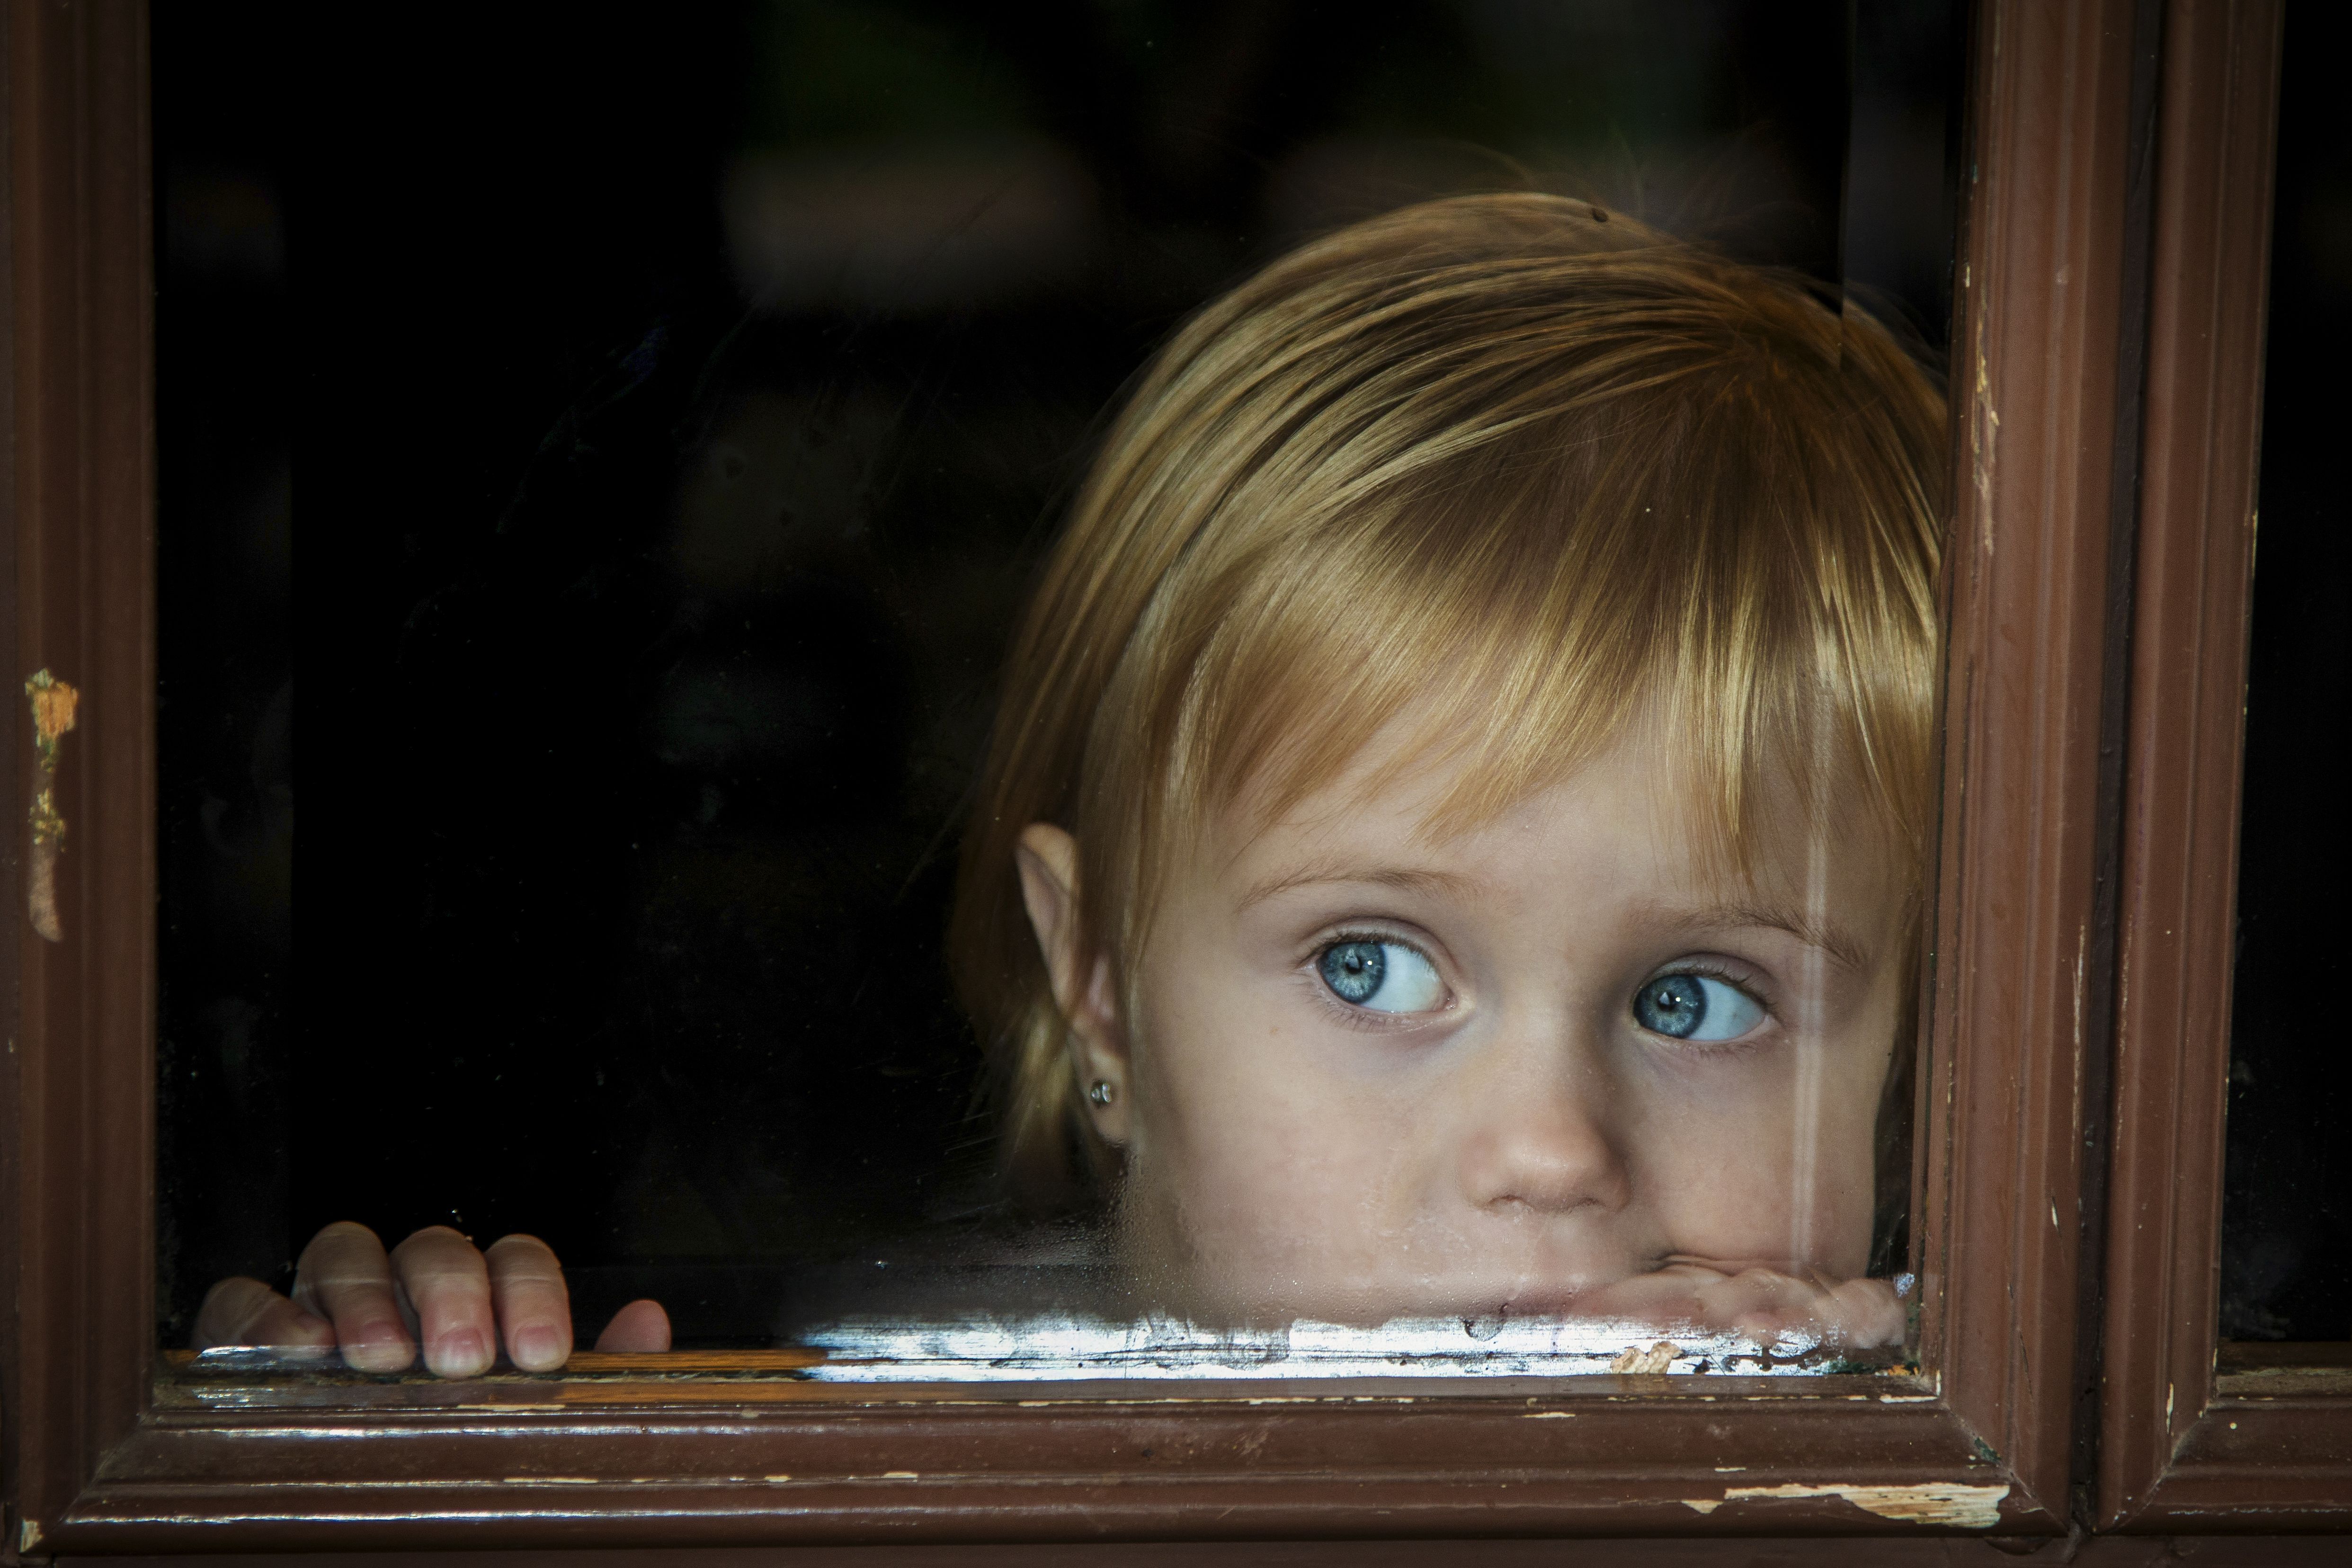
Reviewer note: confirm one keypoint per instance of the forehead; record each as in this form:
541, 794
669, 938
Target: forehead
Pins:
1629, 825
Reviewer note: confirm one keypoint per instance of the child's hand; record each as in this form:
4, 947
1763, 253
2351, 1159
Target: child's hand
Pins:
435, 1288
1765, 1302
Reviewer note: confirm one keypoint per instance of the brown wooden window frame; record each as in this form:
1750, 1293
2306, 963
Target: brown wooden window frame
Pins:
2106, 378
2253, 1437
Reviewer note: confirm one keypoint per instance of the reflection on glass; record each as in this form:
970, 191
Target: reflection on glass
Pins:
2287, 1224
1412, 823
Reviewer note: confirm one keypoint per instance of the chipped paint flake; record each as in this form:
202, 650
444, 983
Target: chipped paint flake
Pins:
1930, 1503
1981, 455
1704, 1504
1656, 1358
54, 702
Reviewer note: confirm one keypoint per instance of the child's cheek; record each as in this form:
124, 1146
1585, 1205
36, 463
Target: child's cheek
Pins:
1782, 1171
1278, 1175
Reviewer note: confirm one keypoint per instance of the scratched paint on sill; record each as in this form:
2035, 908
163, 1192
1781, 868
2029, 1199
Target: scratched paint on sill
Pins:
1930, 1503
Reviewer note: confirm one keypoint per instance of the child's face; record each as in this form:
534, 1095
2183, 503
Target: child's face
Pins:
1374, 1073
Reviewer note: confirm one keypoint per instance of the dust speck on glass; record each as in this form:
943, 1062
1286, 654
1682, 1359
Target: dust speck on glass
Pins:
617, 465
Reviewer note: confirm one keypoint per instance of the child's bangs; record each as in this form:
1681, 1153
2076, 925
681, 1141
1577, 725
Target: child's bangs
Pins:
1509, 617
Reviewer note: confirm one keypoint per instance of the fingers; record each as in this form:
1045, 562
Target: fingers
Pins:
533, 1306
640, 1328
344, 1276
1868, 1314
449, 1284
1766, 1305
435, 1290
1666, 1300
1762, 1303
1758, 1301
248, 1312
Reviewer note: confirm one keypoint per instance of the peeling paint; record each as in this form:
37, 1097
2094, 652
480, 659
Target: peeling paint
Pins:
1930, 1503
1549, 1416
54, 702
1657, 1358
1981, 454
1703, 1505
29, 1536
2081, 965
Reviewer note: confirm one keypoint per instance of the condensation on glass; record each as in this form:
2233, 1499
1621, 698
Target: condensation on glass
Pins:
619, 487
2286, 1230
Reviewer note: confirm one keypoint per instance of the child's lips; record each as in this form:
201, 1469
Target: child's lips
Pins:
1692, 1266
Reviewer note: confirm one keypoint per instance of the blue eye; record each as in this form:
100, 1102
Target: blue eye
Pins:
1695, 1007
1381, 976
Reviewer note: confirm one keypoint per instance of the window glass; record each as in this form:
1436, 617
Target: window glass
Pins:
1452, 850
2286, 1218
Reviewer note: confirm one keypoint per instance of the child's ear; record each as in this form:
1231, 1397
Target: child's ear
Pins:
1048, 860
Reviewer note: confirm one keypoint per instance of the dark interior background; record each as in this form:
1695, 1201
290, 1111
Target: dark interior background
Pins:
2286, 1222
609, 453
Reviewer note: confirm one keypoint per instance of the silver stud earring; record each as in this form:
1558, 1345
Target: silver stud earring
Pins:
1102, 1093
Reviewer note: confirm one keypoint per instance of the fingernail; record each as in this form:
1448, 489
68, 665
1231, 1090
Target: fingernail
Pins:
537, 1348
378, 1348
458, 1353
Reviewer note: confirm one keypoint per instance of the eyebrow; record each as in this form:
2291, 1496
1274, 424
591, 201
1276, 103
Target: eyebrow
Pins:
1828, 937
1407, 879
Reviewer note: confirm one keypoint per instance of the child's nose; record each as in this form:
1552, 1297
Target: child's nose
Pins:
1542, 1142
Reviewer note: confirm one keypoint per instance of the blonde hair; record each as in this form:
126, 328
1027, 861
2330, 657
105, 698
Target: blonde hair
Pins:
1512, 465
